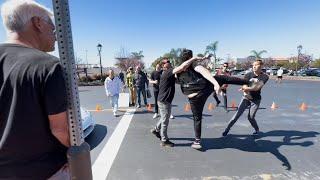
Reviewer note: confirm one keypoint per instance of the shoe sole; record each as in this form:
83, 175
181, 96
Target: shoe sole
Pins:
166, 145
196, 147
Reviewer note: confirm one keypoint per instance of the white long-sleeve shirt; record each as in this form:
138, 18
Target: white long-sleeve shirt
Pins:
113, 87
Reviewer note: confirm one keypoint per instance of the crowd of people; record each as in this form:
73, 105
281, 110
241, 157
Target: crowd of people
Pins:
196, 83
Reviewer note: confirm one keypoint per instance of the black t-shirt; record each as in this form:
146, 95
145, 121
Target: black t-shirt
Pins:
167, 86
192, 81
155, 75
31, 88
252, 78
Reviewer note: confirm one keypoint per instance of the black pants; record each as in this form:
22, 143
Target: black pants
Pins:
197, 102
156, 108
225, 99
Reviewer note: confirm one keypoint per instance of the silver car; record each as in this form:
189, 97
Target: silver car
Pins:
88, 122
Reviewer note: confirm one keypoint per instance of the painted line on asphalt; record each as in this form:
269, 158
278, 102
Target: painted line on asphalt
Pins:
103, 163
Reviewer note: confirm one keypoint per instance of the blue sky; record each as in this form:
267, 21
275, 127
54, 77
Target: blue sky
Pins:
156, 26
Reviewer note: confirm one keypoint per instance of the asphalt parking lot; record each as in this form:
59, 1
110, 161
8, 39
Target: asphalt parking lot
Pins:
288, 148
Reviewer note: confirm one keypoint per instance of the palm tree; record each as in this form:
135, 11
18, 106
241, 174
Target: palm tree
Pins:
137, 55
212, 48
257, 54
175, 55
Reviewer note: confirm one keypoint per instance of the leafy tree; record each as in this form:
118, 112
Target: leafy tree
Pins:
316, 63
137, 55
258, 54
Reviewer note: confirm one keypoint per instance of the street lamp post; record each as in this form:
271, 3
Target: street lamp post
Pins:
99, 46
299, 48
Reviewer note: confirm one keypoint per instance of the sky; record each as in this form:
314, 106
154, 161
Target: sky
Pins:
156, 26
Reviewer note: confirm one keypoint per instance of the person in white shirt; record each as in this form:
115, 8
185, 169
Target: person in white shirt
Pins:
113, 86
279, 75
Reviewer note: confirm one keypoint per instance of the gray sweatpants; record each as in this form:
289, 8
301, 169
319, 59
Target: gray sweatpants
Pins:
253, 108
162, 125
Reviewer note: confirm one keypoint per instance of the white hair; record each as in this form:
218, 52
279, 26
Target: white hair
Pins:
17, 13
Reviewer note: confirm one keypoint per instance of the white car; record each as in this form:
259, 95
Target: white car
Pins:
87, 121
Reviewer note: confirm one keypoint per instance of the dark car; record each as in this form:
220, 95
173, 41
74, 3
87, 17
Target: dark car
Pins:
312, 72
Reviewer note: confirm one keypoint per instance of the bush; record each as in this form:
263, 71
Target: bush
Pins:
98, 77
86, 79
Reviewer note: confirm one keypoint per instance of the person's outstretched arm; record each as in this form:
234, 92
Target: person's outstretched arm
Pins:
206, 74
185, 65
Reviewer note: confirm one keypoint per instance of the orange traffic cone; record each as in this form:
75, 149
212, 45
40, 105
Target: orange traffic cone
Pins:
303, 107
210, 107
187, 107
149, 107
233, 104
98, 107
274, 106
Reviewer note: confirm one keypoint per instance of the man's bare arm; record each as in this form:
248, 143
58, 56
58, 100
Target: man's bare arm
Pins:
60, 127
206, 74
184, 65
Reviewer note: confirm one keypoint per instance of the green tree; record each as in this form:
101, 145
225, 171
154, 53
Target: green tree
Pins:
316, 63
258, 54
174, 56
212, 48
137, 55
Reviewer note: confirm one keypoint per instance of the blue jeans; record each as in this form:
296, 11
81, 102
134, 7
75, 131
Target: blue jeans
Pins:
143, 91
253, 108
114, 102
163, 123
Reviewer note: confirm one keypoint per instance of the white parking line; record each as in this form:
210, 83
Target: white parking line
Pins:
103, 163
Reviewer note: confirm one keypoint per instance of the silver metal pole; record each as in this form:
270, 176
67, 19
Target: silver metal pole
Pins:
79, 152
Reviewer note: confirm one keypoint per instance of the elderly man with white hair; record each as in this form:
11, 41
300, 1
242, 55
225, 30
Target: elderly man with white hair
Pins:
113, 85
34, 132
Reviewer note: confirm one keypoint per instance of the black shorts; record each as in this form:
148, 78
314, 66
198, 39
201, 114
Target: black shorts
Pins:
279, 77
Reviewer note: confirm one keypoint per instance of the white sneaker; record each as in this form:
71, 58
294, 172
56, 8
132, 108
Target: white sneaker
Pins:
115, 114
171, 116
155, 115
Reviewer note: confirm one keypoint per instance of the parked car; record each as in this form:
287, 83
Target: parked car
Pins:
312, 72
236, 71
88, 122
272, 71
301, 72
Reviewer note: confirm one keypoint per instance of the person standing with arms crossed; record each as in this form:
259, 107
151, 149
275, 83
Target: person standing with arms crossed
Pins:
259, 79
34, 129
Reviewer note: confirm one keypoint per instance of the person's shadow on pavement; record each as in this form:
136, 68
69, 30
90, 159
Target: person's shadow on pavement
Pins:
251, 143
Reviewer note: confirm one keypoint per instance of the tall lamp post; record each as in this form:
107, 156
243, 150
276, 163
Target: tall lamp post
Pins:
99, 46
299, 48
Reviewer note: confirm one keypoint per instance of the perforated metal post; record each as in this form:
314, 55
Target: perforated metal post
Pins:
79, 152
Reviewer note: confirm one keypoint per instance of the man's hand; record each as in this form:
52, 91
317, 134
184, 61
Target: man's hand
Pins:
217, 88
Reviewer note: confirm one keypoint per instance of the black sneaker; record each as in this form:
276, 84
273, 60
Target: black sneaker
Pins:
225, 133
167, 143
256, 133
196, 144
217, 104
156, 133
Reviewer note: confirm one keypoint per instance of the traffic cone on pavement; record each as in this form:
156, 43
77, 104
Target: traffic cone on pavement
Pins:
274, 106
303, 107
98, 107
149, 107
187, 107
210, 107
233, 104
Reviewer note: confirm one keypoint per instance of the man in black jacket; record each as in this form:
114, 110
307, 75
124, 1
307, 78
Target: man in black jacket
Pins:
142, 83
